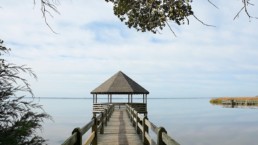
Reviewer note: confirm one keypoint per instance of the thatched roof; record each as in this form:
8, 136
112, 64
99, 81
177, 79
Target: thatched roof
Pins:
120, 84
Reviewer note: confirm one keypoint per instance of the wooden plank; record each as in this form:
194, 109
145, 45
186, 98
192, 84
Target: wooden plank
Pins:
88, 126
90, 138
168, 140
119, 130
70, 140
140, 126
150, 140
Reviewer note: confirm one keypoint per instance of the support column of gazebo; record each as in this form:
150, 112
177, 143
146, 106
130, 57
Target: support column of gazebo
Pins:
120, 84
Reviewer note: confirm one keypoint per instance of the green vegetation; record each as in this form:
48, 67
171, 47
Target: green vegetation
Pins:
151, 15
216, 101
19, 118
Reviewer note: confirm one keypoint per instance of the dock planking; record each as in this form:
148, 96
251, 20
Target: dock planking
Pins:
119, 131
120, 126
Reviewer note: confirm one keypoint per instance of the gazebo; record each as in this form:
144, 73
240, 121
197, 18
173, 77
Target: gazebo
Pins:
121, 84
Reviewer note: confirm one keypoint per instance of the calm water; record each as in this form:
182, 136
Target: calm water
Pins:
189, 121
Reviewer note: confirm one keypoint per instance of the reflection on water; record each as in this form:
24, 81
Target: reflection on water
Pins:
240, 106
237, 102
233, 105
188, 121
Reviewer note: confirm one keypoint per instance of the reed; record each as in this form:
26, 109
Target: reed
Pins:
221, 99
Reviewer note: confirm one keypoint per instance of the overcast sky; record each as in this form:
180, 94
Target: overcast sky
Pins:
92, 45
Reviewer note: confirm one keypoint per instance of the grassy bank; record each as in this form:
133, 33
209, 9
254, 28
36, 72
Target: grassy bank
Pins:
221, 99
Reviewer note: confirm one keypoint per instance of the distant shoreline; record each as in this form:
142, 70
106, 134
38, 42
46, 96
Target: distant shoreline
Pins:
235, 101
136, 98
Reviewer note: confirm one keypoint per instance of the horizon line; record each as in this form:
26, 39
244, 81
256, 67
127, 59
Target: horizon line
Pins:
119, 98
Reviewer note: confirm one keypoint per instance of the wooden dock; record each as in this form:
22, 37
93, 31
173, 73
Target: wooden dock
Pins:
120, 126
119, 130
120, 123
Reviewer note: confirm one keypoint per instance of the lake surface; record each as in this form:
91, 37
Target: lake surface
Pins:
188, 121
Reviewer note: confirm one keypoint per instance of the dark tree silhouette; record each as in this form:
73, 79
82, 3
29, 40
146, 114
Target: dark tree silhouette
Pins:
20, 119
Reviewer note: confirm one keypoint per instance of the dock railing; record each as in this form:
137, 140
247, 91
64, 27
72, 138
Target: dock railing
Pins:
142, 126
96, 124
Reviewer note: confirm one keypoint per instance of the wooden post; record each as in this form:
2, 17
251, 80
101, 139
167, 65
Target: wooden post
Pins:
133, 118
130, 98
159, 136
146, 105
131, 113
129, 110
110, 112
78, 136
95, 129
137, 121
233, 103
102, 123
145, 129
96, 98
106, 115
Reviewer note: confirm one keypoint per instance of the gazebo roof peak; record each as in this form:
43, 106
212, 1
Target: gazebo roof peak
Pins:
120, 83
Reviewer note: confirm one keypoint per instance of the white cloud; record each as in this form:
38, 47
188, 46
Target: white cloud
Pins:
93, 44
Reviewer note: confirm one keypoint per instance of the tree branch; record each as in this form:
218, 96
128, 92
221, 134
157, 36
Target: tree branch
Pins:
246, 3
170, 28
46, 6
199, 21
202, 21
213, 4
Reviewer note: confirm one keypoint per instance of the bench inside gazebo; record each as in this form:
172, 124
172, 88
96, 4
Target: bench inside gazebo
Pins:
120, 84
